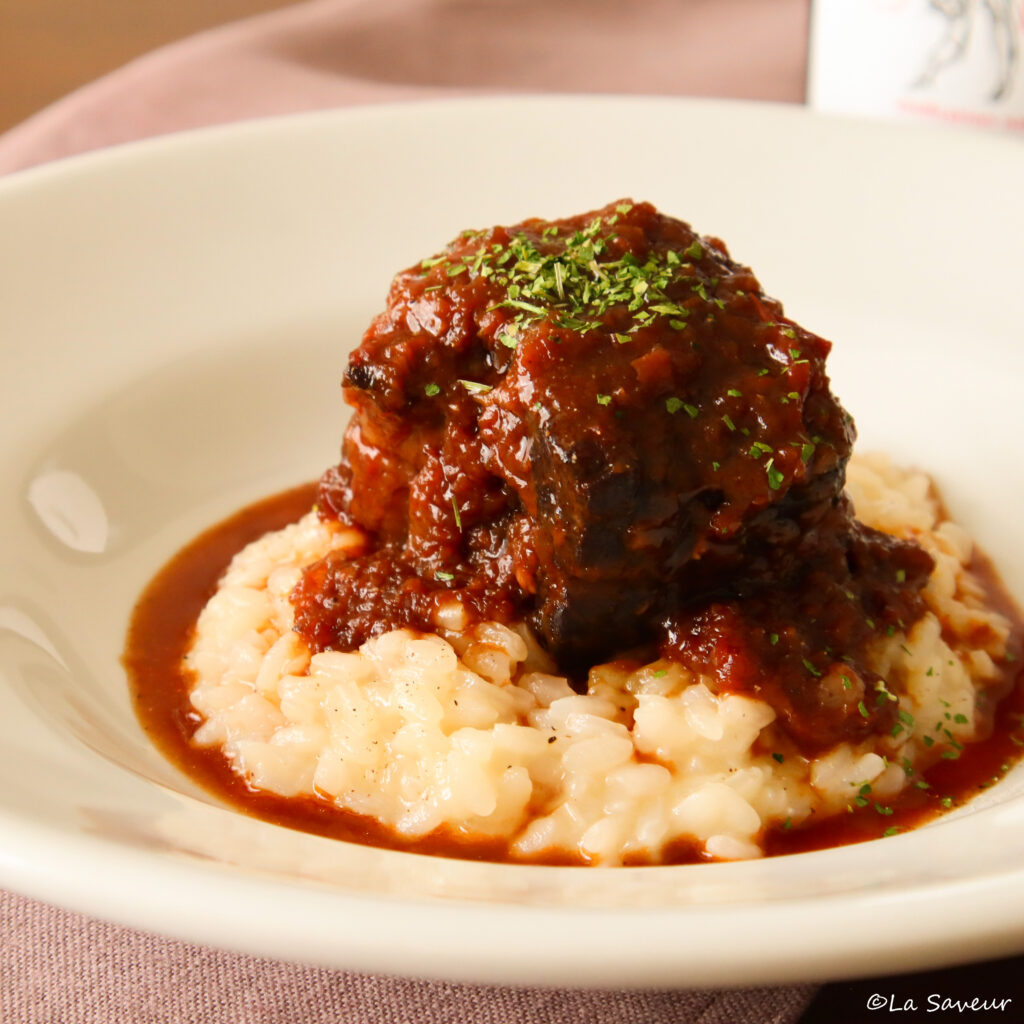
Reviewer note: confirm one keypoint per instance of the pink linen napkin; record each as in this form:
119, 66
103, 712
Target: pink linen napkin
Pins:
58, 966
331, 53
61, 967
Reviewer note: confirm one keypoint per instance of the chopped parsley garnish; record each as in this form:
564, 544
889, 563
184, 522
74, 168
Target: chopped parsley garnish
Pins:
576, 285
432, 389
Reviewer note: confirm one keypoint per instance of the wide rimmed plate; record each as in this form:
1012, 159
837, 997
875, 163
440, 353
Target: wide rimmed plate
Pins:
174, 319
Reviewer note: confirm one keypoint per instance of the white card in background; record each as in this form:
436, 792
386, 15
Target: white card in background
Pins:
957, 61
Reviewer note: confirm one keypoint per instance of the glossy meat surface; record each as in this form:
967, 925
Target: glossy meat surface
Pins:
603, 425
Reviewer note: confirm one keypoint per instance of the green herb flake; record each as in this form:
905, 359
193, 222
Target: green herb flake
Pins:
695, 250
734, 393
775, 476
778, 758
892, 830
474, 387
862, 708
727, 420
444, 577
604, 399
673, 405
431, 390
809, 665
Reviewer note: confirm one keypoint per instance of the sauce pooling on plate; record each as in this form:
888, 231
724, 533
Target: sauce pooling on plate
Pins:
162, 627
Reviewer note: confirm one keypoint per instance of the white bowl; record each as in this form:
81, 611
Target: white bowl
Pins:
175, 317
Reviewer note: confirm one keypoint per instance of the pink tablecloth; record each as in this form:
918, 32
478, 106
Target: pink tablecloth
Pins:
330, 53
57, 966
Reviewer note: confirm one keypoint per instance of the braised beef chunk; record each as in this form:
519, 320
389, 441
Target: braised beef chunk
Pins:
601, 424
801, 647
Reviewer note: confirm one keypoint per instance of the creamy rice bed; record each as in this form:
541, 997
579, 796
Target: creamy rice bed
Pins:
472, 731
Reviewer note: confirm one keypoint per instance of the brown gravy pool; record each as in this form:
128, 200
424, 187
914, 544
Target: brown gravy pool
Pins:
161, 630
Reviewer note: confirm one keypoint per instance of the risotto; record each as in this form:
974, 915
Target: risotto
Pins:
472, 730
